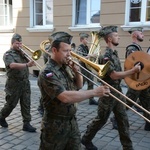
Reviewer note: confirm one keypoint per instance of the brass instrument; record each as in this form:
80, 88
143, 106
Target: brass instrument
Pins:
94, 48
43, 44
35, 55
101, 69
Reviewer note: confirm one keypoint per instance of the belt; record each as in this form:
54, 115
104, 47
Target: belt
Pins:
60, 117
18, 79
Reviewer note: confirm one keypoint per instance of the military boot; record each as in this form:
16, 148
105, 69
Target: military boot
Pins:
3, 123
27, 127
88, 145
147, 126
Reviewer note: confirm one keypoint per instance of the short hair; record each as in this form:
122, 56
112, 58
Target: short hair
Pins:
16, 37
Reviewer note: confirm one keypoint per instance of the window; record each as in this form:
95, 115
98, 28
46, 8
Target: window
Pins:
137, 12
41, 14
5, 12
87, 12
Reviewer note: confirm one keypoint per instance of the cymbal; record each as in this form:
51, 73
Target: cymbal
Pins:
139, 80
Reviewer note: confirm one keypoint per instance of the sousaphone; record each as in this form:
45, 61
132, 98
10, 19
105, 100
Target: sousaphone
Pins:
141, 80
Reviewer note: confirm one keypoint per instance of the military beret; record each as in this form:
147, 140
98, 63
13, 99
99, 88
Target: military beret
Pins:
83, 35
16, 37
107, 30
135, 29
61, 36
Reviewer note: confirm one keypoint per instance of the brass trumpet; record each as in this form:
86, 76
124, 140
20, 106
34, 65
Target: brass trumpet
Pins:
35, 55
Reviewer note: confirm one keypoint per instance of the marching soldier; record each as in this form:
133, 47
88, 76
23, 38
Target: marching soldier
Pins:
144, 95
60, 92
108, 104
17, 84
83, 50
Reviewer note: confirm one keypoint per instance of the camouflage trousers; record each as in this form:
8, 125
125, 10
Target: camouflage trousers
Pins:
105, 107
60, 134
17, 90
143, 96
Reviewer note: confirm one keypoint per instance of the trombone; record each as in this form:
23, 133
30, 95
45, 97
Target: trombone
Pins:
102, 70
35, 55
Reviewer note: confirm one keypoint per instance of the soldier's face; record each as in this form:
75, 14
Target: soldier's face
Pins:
115, 39
17, 45
85, 41
63, 54
140, 36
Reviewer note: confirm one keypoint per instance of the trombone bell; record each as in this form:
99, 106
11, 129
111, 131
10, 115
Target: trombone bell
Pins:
37, 54
100, 69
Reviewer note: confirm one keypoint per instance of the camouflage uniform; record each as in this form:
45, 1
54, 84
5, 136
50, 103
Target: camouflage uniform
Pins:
83, 51
59, 125
143, 95
45, 55
17, 86
109, 104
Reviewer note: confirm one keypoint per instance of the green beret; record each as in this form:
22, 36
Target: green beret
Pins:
61, 36
107, 30
135, 29
83, 35
16, 37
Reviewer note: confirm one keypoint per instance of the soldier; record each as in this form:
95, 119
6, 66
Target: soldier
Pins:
108, 104
144, 95
17, 84
83, 50
45, 58
59, 85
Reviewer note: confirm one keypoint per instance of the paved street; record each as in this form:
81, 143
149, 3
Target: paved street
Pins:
13, 138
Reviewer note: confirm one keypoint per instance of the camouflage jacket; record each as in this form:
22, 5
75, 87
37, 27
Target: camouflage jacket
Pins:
132, 48
115, 65
83, 50
52, 81
14, 56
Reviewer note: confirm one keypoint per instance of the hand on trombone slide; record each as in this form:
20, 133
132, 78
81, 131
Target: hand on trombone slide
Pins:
73, 65
31, 63
101, 91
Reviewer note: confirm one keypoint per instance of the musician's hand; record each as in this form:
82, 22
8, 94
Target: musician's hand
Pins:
102, 91
74, 67
137, 68
31, 63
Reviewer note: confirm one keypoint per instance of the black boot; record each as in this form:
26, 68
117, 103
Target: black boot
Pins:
114, 123
92, 101
147, 126
27, 127
88, 145
3, 123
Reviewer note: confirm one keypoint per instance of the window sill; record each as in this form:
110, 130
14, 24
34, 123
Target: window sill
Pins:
127, 28
85, 28
6, 29
37, 29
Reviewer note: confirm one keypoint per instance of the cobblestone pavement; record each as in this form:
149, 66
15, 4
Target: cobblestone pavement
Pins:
13, 138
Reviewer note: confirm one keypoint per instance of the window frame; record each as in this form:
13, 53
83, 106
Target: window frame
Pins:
85, 27
9, 27
142, 23
38, 28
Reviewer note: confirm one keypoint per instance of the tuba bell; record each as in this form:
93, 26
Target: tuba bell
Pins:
94, 48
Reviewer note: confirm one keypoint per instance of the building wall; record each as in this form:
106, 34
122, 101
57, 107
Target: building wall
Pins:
112, 13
